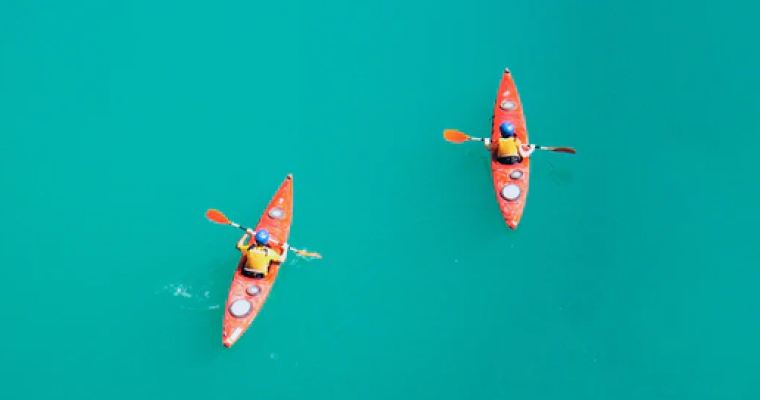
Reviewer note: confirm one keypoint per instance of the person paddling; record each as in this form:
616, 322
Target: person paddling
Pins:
260, 255
509, 149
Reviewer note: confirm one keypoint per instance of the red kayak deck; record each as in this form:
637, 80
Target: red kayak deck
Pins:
510, 181
247, 295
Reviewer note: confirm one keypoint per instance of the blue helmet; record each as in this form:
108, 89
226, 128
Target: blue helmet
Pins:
262, 237
507, 129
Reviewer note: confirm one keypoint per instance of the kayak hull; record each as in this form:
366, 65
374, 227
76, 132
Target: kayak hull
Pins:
511, 182
247, 295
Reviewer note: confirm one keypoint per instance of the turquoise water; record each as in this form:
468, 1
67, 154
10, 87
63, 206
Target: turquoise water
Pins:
632, 275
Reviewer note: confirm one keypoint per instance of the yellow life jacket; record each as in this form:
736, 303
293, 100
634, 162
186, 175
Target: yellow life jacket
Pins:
259, 257
507, 147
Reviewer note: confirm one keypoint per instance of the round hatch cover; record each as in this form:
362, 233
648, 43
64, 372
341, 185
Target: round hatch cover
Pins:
510, 192
253, 290
508, 105
240, 308
516, 174
276, 213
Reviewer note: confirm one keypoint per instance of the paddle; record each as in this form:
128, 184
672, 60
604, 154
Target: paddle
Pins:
457, 137
219, 218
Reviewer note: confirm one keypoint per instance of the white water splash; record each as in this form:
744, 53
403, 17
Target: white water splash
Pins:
192, 298
178, 290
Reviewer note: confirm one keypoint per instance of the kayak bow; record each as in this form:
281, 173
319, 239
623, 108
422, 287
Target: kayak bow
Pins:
247, 295
510, 181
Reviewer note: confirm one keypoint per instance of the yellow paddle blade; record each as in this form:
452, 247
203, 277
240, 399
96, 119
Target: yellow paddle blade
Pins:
307, 254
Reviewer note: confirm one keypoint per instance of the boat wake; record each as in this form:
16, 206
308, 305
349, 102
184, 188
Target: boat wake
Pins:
191, 297
296, 261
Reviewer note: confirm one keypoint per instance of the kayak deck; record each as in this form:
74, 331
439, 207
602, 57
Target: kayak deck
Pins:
247, 295
510, 181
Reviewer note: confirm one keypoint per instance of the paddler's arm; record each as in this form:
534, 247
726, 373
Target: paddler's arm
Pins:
487, 143
279, 258
242, 240
284, 255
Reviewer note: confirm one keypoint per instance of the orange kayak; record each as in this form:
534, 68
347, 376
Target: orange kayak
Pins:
247, 295
510, 181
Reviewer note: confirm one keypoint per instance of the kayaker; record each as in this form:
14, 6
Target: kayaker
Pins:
260, 256
509, 149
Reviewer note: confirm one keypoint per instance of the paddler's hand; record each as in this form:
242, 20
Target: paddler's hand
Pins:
285, 249
530, 149
250, 232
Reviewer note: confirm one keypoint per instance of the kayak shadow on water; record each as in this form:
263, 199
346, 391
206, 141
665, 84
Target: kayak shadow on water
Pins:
560, 176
